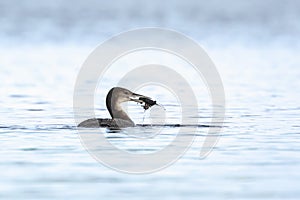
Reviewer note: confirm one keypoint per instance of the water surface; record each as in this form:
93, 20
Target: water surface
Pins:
257, 156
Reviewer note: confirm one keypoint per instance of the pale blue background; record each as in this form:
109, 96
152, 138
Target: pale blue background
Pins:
255, 46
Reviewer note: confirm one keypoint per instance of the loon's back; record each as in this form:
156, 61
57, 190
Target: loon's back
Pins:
109, 123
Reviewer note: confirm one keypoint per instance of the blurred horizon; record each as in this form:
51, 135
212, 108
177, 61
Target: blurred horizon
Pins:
90, 21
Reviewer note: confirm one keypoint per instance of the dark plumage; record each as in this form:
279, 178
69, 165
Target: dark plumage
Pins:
120, 119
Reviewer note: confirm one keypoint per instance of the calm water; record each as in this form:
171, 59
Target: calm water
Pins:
257, 157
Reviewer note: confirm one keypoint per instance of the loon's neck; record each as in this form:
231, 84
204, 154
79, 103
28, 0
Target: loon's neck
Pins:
119, 114
116, 111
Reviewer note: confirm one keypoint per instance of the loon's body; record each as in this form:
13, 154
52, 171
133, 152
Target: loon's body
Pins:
119, 118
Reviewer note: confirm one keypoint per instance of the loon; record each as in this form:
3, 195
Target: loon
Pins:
119, 118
